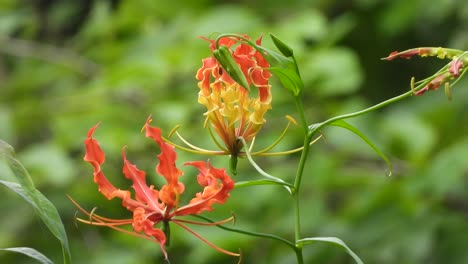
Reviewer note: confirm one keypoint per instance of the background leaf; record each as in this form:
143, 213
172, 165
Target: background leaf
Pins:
31, 253
333, 240
43, 207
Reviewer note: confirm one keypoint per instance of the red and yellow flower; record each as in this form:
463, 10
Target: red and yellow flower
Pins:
152, 207
232, 110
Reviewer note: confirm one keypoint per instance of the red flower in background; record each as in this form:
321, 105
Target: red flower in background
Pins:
150, 206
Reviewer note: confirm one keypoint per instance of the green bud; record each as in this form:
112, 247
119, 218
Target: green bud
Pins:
448, 92
282, 47
283, 66
233, 164
223, 55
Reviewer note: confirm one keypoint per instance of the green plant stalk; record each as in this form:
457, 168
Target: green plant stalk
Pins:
287, 185
313, 129
300, 110
316, 127
310, 132
297, 182
235, 230
295, 194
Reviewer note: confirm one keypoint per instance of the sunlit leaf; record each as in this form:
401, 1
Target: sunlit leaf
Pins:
333, 240
15, 187
241, 184
31, 253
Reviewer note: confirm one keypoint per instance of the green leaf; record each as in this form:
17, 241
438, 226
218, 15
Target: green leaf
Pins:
241, 184
346, 125
26, 189
289, 79
249, 233
31, 253
333, 240
15, 187
285, 68
282, 47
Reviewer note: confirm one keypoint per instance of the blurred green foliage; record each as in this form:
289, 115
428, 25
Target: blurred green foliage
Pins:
66, 65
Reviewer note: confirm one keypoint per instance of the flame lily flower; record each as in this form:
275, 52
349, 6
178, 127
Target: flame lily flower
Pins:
235, 89
150, 206
232, 110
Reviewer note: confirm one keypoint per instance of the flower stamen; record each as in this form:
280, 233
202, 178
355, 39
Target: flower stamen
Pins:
205, 240
232, 218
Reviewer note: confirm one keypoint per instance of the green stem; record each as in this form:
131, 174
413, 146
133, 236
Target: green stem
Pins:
167, 231
316, 127
302, 162
233, 35
310, 131
287, 185
300, 110
280, 239
297, 182
299, 257
297, 228
305, 152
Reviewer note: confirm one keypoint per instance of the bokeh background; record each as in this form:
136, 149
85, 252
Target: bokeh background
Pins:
66, 65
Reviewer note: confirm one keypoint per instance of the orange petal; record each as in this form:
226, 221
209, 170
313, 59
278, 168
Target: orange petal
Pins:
95, 156
217, 184
204, 74
143, 193
93, 150
166, 166
142, 224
